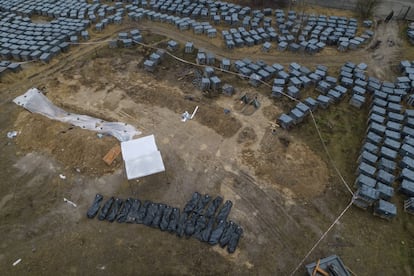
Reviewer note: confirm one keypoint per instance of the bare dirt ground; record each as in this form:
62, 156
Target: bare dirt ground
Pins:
284, 192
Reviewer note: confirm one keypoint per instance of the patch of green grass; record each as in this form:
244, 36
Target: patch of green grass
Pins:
342, 128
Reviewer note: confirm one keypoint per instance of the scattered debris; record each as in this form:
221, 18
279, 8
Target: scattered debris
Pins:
62, 176
112, 155
70, 202
194, 112
331, 265
185, 74
17, 262
12, 134
93, 210
186, 116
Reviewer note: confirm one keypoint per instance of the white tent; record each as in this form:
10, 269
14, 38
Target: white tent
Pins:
141, 157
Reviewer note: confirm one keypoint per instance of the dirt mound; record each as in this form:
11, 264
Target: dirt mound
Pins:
74, 147
144, 88
246, 135
286, 163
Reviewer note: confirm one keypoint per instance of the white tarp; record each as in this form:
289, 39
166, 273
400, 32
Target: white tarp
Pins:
34, 101
141, 157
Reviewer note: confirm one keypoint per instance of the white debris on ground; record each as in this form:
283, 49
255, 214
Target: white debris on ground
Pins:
34, 101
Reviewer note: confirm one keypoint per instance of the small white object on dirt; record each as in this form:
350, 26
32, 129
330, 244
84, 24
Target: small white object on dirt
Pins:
70, 202
62, 176
186, 116
17, 262
194, 112
11, 134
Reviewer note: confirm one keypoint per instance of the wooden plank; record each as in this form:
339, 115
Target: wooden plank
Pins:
112, 154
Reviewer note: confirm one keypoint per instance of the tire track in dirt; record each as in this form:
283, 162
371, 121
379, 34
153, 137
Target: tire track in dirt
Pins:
272, 217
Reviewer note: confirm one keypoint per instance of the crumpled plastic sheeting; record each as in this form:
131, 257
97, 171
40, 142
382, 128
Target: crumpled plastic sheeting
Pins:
206, 233
192, 203
115, 209
202, 203
212, 208
123, 214
181, 224
142, 212
132, 215
199, 218
224, 211
151, 212
228, 232
234, 240
158, 216
96, 204
165, 218
34, 101
190, 225
217, 232
106, 208
172, 225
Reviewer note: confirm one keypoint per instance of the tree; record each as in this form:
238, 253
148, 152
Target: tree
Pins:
366, 8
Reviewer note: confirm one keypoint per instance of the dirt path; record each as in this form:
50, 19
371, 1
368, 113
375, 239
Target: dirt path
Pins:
383, 59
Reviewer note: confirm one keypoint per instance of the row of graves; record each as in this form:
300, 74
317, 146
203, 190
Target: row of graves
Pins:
206, 81
352, 81
154, 60
9, 66
299, 33
75, 9
305, 33
410, 33
126, 39
217, 12
22, 40
182, 23
407, 163
386, 161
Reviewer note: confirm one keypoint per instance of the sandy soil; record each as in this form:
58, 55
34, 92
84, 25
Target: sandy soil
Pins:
284, 193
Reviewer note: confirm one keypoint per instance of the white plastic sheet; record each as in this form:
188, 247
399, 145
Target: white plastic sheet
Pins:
141, 157
34, 101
